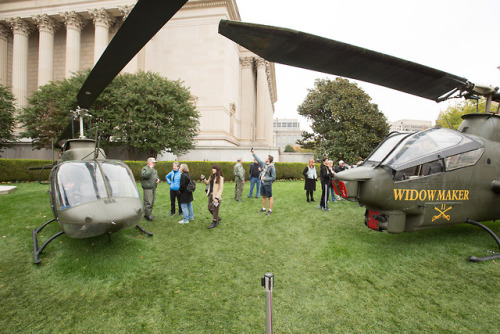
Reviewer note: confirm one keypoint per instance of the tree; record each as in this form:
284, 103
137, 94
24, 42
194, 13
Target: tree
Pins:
150, 113
308, 141
7, 119
142, 110
345, 123
289, 149
48, 110
451, 117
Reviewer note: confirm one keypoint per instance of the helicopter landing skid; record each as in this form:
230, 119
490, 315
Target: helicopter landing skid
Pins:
37, 251
144, 231
497, 239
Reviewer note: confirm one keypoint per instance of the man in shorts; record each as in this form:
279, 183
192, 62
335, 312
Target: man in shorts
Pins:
267, 175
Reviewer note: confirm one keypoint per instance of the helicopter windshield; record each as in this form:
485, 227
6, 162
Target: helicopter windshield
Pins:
385, 148
79, 182
429, 145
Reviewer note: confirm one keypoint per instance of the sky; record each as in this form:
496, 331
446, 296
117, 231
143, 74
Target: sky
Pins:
456, 36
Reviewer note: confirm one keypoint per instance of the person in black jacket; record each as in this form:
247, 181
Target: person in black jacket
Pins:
254, 178
325, 178
185, 196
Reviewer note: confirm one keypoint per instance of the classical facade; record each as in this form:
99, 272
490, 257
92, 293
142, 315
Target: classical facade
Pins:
234, 90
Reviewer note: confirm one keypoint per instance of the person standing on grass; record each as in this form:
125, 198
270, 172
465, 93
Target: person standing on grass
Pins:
267, 176
239, 179
215, 187
173, 179
185, 196
149, 181
310, 177
254, 178
325, 177
331, 191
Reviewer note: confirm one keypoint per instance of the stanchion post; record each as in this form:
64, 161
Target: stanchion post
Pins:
268, 282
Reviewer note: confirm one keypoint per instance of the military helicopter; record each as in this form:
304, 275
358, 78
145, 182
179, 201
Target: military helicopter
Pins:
91, 195
411, 181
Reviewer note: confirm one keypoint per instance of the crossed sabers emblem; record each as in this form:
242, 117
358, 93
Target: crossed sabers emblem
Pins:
442, 212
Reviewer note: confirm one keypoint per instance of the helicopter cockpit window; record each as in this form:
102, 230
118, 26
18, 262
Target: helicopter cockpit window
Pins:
78, 183
463, 159
120, 181
385, 148
425, 169
426, 146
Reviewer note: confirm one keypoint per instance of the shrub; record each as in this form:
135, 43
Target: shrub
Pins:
16, 170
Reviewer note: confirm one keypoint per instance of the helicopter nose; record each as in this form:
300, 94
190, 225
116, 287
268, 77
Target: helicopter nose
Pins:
356, 174
351, 181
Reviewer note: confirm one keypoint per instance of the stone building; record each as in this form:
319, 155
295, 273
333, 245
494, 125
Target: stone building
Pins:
410, 125
234, 89
286, 132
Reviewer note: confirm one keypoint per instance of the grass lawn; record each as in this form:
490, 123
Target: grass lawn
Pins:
332, 274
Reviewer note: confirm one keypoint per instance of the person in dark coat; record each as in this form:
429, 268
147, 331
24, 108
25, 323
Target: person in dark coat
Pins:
325, 178
185, 197
310, 177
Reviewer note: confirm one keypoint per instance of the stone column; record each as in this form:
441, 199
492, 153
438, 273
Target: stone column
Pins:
4, 34
47, 27
74, 24
21, 30
102, 23
262, 93
247, 100
133, 64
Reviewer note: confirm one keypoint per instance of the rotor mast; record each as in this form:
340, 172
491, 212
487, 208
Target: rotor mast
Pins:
80, 113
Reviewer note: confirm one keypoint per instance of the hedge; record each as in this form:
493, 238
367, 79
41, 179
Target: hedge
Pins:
16, 170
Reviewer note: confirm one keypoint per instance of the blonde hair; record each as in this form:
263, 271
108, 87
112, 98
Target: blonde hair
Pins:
184, 168
311, 162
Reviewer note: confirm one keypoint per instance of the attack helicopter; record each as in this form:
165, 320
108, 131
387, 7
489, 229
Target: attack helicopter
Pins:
411, 181
89, 194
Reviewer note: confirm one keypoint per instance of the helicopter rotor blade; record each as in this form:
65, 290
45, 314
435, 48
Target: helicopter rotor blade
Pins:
295, 48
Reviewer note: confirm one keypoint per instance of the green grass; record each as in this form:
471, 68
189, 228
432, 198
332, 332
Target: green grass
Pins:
332, 274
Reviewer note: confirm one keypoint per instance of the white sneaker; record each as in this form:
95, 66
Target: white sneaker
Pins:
183, 222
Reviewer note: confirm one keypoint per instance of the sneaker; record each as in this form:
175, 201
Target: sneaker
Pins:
183, 222
172, 214
327, 209
269, 213
262, 210
249, 196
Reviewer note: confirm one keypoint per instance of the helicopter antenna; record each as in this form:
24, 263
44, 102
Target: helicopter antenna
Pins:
80, 112
97, 142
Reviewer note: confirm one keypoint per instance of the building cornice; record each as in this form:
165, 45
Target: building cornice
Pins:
234, 14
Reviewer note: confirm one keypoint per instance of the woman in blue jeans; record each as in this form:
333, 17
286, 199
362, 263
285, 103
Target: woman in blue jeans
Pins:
185, 197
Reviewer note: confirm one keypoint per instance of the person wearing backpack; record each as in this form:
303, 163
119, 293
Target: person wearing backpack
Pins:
186, 195
173, 178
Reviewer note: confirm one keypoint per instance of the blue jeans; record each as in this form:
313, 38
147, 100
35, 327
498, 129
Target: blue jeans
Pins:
334, 199
185, 208
252, 184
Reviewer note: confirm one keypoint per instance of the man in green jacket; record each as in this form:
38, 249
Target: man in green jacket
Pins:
149, 181
239, 179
